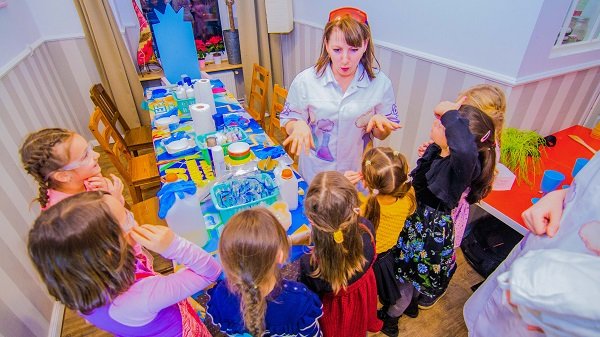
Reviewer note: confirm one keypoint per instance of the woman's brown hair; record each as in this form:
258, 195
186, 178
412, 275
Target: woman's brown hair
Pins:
386, 171
356, 34
80, 252
331, 204
250, 247
39, 158
483, 130
491, 100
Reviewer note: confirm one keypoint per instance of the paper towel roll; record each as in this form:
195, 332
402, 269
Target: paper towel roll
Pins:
202, 118
204, 94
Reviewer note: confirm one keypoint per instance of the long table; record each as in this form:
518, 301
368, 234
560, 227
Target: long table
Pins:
193, 166
507, 206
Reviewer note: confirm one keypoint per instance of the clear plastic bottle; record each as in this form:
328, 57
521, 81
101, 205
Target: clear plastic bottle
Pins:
288, 186
186, 219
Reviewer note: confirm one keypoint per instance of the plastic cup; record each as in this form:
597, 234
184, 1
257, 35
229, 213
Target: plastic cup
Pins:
551, 180
579, 164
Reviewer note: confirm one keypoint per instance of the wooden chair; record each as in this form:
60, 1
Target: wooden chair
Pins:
277, 103
136, 171
135, 139
257, 102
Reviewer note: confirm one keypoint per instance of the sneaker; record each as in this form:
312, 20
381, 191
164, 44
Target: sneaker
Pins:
427, 302
412, 310
390, 325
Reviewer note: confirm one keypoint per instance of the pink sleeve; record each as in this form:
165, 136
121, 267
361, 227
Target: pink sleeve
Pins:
143, 300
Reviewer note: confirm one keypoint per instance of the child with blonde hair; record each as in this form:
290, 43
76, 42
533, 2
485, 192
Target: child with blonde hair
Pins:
63, 163
340, 266
254, 298
390, 201
463, 156
82, 249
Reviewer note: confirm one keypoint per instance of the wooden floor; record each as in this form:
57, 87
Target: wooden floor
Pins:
443, 320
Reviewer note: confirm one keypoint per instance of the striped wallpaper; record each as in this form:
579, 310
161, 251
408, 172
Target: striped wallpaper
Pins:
547, 105
47, 88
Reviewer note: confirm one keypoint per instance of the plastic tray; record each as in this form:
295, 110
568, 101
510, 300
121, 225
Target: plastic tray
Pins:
201, 139
227, 212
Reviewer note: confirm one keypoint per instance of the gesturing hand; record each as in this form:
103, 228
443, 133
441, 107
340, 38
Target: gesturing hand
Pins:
353, 176
382, 124
423, 147
300, 137
543, 217
155, 238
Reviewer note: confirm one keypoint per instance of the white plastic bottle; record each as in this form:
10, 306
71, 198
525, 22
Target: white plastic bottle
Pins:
189, 91
288, 186
186, 219
218, 161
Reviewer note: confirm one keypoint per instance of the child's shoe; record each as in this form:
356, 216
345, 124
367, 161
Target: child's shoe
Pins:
390, 325
427, 302
412, 310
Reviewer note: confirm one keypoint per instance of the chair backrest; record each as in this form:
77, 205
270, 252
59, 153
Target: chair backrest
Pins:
108, 138
257, 102
103, 101
277, 103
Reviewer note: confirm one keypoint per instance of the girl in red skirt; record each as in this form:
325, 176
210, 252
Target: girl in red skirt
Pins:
339, 268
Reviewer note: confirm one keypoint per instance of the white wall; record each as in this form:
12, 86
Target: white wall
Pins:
493, 36
18, 30
56, 18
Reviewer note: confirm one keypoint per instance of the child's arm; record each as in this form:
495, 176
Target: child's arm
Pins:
148, 296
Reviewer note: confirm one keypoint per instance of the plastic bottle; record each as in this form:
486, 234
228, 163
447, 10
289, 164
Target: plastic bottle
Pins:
218, 160
189, 91
288, 186
186, 219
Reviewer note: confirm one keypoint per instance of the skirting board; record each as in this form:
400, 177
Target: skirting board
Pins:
56, 321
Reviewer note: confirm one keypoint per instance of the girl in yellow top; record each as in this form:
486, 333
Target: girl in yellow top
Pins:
390, 201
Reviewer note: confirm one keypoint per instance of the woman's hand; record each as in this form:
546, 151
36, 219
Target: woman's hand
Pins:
543, 217
381, 126
353, 176
300, 137
446, 106
153, 237
423, 147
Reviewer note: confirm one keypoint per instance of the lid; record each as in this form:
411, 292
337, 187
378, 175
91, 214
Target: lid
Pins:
159, 93
287, 173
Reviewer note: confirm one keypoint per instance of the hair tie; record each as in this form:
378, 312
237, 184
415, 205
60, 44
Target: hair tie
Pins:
375, 192
356, 210
338, 236
486, 136
396, 153
367, 162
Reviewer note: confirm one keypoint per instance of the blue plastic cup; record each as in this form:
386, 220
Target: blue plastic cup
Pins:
551, 180
579, 164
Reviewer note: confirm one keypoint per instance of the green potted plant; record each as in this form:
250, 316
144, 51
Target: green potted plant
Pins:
520, 152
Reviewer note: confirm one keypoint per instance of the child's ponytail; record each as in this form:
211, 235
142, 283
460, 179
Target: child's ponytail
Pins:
482, 128
40, 160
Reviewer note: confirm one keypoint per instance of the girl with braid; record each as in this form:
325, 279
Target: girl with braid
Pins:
63, 163
253, 298
339, 268
391, 200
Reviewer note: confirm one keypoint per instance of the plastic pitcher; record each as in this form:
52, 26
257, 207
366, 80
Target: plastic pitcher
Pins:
288, 186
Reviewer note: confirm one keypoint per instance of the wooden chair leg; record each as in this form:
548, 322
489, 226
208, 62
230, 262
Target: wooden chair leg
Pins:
138, 195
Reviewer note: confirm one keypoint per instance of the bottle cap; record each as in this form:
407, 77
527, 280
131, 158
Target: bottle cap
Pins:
287, 173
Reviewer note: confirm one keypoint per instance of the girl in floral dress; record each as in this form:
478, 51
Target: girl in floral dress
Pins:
462, 156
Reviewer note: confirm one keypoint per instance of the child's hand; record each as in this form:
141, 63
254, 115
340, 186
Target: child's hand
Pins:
423, 147
353, 176
300, 239
155, 238
96, 183
115, 188
446, 106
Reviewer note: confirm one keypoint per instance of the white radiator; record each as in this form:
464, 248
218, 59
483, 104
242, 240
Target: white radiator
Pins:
228, 78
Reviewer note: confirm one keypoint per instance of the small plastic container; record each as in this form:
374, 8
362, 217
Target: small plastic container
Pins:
288, 184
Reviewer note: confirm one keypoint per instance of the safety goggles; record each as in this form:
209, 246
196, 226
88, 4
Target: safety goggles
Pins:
86, 159
354, 13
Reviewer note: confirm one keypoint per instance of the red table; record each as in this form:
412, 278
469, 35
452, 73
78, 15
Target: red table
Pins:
507, 206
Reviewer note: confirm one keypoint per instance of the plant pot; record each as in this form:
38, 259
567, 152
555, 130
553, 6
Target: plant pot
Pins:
202, 63
232, 44
217, 58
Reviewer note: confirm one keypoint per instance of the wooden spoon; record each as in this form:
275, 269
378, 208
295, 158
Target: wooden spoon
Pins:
582, 142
